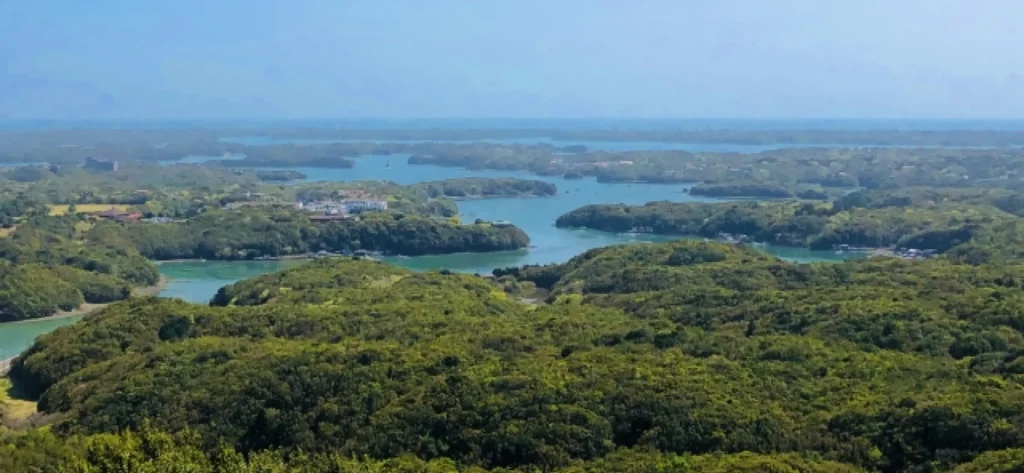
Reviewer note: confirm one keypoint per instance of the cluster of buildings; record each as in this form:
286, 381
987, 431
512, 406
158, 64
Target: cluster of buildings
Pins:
557, 162
354, 202
915, 254
345, 206
100, 164
118, 215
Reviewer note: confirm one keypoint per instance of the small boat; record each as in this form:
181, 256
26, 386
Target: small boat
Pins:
387, 165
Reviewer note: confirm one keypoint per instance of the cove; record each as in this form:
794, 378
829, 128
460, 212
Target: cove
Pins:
199, 281
16, 337
194, 281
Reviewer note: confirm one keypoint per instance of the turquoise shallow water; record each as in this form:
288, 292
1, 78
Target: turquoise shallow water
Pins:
199, 281
16, 337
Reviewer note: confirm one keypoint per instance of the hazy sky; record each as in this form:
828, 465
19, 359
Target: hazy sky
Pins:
511, 58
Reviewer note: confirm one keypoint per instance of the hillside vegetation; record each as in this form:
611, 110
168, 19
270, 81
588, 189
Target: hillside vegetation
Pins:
251, 233
682, 356
941, 227
52, 264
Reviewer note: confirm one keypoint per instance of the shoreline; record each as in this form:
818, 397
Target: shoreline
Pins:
87, 308
305, 257
491, 197
872, 251
200, 260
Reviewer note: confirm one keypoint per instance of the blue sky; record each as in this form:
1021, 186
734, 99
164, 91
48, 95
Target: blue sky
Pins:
511, 58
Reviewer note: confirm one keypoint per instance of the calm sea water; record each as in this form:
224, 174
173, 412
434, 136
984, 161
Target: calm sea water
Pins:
195, 282
199, 281
16, 337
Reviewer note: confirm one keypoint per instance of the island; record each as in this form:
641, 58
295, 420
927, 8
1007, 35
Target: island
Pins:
900, 158
764, 191
478, 187
250, 233
782, 172
74, 145
975, 232
290, 155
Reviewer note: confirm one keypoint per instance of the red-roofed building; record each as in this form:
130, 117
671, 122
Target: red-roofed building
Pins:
130, 217
326, 218
119, 215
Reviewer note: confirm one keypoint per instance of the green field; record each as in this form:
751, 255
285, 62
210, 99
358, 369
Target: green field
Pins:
62, 209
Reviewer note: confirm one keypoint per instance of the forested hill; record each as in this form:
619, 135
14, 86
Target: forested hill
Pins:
682, 356
974, 232
486, 187
56, 263
51, 264
251, 233
932, 307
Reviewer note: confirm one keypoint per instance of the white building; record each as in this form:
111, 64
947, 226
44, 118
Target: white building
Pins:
360, 205
347, 206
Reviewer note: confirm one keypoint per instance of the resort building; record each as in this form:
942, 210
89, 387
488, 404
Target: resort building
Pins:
343, 207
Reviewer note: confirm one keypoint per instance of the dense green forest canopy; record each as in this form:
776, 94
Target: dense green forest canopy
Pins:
49, 264
420, 193
62, 261
486, 187
1007, 200
72, 241
114, 255
21, 206
795, 169
766, 191
287, 155
939, 226
434, 198
934, 306
185, 190
682, 356
174, 191
688, 356
261, 232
